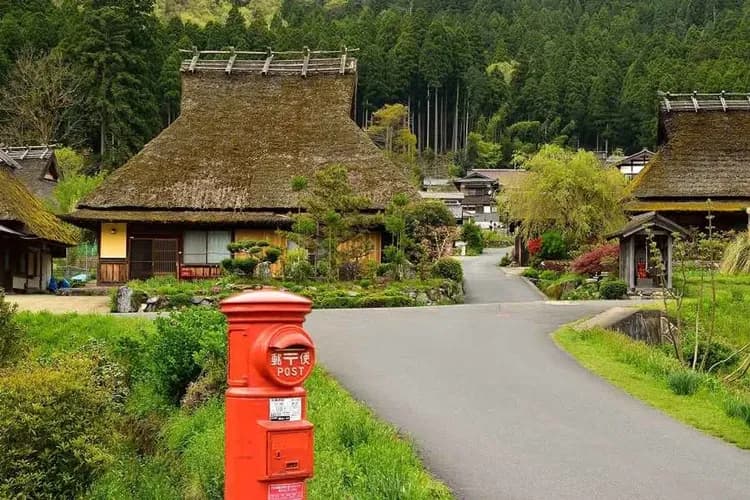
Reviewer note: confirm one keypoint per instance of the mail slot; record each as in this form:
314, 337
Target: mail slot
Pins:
269, 442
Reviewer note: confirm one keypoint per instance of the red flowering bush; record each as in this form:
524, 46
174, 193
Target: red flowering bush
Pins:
602, 258
534, 246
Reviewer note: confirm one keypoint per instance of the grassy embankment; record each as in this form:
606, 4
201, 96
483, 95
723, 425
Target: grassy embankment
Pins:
654, 375
356, 455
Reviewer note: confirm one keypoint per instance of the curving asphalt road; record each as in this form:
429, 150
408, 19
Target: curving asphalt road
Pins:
499, 412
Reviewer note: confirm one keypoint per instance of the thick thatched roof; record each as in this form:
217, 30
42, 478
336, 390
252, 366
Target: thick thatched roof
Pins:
36, 166
704, 154
22, 212
239, 142
506, 177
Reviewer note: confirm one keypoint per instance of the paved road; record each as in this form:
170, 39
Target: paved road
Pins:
486, 283
499, 412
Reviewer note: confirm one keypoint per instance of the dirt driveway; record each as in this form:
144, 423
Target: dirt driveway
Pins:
61, 304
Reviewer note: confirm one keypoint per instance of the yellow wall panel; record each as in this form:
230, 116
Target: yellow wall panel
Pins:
268, 235
114, 241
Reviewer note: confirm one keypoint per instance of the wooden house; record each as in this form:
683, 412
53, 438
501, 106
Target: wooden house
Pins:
250, 123
704, 154
30, 236
632, 165
35, 166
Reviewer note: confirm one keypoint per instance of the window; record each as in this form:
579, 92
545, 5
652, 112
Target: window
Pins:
206, 247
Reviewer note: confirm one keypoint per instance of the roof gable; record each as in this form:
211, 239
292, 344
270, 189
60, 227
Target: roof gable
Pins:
35, 166
241, 139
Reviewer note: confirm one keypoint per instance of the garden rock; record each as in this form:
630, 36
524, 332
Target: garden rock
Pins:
124, 300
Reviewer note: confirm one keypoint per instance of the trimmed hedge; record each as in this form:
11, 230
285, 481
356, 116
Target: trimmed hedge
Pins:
613, 289
448, 268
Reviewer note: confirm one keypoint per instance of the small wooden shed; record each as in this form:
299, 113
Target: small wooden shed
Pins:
635, 252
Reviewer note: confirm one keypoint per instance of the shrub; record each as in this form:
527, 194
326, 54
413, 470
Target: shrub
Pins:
383, 300
613, 289
584, 292
534, 246
718, 351
553, 246
505, 261
471, 233
684, 382
549, 275
297, 265
448, 268
560, 266
185, 344
738, 408
11, 333
603, 258
57, 429
531, 273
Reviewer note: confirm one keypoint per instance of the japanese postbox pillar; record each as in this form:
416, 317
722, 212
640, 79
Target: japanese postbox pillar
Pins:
269, 442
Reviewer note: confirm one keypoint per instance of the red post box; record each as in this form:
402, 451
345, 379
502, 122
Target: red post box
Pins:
269, 442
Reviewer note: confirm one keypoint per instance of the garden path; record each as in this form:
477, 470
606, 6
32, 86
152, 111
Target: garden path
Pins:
499, 412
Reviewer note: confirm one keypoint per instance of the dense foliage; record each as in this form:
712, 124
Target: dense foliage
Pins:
602, 258
524, 72
569, 192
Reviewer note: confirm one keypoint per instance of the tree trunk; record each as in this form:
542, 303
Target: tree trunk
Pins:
428, 118
437, 115
455, 120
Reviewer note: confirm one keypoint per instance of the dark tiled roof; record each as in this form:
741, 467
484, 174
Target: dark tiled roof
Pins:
31, 165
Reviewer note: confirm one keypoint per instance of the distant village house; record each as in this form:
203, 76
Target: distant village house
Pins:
35, 166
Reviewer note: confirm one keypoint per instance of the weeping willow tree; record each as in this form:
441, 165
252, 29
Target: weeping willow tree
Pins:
570, 192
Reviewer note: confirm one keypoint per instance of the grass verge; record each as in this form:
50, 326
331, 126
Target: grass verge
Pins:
645, 373
356, 454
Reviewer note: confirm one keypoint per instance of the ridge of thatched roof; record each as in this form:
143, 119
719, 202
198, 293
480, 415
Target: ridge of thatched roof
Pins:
35, 166
239, 142
298, 62
703, 154
21, 208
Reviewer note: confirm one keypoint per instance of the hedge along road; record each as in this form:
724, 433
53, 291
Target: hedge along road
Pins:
499, 412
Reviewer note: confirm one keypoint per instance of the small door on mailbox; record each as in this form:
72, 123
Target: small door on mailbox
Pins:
290, 453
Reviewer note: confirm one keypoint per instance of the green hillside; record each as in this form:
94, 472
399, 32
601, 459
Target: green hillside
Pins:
202, 11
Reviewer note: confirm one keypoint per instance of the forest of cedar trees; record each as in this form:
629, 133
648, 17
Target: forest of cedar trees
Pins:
497, 78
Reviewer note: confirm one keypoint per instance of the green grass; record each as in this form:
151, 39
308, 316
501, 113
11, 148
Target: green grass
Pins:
732, 306
644, 372
356, 454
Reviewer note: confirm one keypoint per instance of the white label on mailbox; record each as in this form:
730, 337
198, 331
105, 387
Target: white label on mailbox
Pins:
285, 409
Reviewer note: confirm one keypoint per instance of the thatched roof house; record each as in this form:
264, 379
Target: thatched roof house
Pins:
29, 236
704, 154
35, 166
250, 123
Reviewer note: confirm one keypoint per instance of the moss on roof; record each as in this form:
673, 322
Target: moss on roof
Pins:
704, 154
239, 142
18, 205
687, 206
